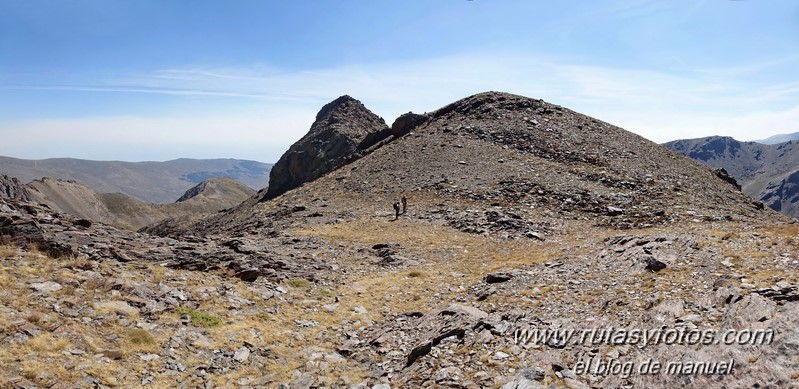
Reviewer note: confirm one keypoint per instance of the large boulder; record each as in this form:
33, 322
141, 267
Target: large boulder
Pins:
344, 131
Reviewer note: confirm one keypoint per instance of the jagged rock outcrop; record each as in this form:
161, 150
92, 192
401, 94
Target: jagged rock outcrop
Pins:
721, 173
407, 122
344, 129
11, 187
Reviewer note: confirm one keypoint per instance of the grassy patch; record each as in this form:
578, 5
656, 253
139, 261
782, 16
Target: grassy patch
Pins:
47, 343
158, 272
299, 283
138, 336
199, 318
7, 251
415, 273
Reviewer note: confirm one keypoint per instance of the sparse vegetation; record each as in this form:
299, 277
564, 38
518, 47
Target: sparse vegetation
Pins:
7, 251
299, 283
199, 318
47, 343
415, 273
34, 317
138, 337
158, 272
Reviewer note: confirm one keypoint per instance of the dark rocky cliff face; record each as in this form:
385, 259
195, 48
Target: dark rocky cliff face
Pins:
343, 130
11, 187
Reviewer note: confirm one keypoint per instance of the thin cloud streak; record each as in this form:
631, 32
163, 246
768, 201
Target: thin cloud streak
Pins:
557, 79
658, 105
156, 91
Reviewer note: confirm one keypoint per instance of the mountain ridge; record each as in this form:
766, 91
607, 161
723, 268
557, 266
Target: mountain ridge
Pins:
599, 166
121, 210
149, 181
766, 172
779, 138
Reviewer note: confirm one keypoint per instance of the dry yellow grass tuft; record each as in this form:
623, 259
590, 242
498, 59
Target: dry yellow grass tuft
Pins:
415, 273
158, 272
46, 342
8, 251
299, 283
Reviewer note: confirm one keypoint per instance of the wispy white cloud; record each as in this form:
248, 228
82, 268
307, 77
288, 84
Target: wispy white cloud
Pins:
659, 105
158, 91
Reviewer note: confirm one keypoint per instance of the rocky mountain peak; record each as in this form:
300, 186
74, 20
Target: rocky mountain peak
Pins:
344, 131
343, 103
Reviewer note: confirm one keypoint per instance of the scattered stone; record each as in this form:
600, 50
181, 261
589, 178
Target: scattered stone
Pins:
248, 275
494, 278
460, 308
19, 383
242, 354
112, 354
116, 306
305, 381
614, 211
501, 355
149, 357
654, 265
85, 223
46, 286
532, 373
305, 323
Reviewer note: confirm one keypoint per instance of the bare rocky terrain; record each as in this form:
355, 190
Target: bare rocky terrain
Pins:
521, 216
767, 172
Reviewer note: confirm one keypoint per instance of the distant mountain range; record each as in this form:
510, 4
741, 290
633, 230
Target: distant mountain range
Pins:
150, 182
124, 211
767, 172
779, 138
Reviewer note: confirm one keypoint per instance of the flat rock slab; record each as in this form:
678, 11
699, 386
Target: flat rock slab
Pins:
46, 287
117, 306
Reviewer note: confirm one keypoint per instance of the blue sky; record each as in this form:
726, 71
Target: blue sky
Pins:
158, 80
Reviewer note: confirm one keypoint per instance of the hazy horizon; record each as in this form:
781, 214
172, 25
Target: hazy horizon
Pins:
148, 80
271, 162
140, 161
